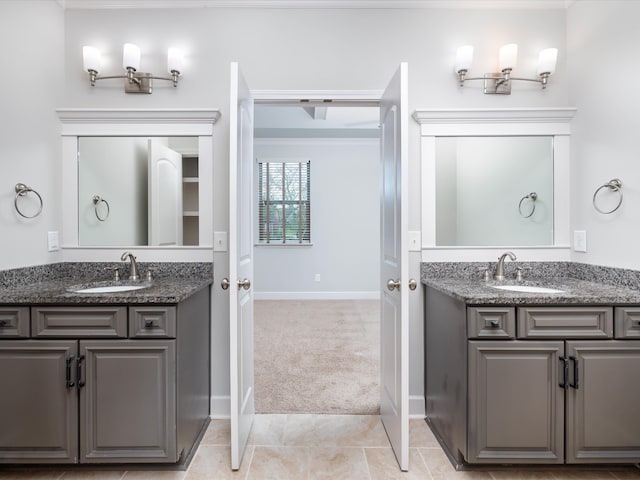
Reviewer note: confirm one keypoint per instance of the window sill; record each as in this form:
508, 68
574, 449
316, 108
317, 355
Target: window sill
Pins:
283, 245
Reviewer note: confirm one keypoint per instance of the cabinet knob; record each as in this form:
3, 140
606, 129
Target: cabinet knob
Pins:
4, 323
148, 324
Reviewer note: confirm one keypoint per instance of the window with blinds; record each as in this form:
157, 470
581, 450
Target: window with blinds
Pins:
284, 204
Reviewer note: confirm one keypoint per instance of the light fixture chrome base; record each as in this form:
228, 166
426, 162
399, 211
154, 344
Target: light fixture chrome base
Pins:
496, 84
141, 83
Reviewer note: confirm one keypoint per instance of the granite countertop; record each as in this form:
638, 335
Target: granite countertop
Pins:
172, 284
575, 292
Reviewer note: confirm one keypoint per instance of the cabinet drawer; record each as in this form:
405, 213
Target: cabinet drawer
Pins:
627, 322
83, 322
152, 322
491, 322
14, 322
565, 322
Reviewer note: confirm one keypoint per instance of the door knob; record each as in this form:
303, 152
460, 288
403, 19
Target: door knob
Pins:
393, 284
246, 284
225, 284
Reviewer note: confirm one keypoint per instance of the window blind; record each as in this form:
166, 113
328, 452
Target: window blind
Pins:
284, 205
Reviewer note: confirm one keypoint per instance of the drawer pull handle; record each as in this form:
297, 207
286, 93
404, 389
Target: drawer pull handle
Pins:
148, 324
576, 373
70, 360
494, 323
565, 372
79, 371
4, 323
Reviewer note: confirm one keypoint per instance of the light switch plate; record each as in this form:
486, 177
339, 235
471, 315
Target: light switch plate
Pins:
219, 241
53, 244
579, 241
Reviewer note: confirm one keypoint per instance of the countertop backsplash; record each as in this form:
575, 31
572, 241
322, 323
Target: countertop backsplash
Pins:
613, 276
100, 271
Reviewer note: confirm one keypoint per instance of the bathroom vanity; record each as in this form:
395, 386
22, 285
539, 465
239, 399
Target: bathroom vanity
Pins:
104, 378
513, 377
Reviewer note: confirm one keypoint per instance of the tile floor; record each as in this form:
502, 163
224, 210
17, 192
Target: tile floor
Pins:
335, 447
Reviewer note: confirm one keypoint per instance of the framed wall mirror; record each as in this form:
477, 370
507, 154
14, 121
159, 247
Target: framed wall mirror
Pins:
138, 178
493, 179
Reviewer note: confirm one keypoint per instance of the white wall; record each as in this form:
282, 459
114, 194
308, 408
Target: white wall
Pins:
603, 37
345, 224
33, 61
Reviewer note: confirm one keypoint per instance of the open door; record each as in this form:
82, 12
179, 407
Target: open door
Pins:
394, 271
165, 194
240, 264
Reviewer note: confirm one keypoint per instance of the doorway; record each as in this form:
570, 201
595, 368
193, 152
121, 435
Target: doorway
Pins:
394, 336
316, 313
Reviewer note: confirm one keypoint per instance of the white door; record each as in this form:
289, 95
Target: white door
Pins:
240, 264
165, 194
394, 257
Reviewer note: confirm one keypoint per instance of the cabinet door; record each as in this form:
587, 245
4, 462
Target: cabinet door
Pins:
38, 403
603, 424
516, 406
128, 401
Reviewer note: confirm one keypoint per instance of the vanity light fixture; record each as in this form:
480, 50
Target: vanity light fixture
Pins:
135, 81
500, 82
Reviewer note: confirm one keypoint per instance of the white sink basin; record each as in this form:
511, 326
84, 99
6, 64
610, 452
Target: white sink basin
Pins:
110, 289
526, 289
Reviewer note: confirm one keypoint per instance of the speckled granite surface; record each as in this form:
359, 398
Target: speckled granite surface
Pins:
49, 284
580, 283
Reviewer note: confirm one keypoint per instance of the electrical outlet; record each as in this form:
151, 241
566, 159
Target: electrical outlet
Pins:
219, 241
414, 241
579, 241
53, 244
317, 277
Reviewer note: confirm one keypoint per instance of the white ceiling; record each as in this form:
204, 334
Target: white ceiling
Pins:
272, 121
455, 4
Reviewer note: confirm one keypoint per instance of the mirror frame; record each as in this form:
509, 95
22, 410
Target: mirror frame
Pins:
136, 122
554, 122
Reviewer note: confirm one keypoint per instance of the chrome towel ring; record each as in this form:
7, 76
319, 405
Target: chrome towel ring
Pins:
615, 185
533, 196
97, 200
21, 191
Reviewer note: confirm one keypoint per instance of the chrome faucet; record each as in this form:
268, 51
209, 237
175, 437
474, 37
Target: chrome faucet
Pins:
499, 273
133, 274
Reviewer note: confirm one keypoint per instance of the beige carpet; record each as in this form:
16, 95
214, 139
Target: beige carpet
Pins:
317, 356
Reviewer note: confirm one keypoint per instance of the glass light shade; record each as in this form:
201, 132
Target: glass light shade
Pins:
464, 56
91, 58
508, 56
175, 60
547, 61
131, 56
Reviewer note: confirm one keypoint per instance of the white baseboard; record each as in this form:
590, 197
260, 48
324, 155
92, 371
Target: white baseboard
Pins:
220, 407
416, 406
375, 295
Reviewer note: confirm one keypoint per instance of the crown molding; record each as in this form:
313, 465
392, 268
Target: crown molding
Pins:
341, 4
137, 116
493, 115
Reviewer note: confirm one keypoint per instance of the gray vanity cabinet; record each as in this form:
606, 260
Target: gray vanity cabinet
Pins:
515, 406
532, 384
38, 403
104, 384
127, 401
